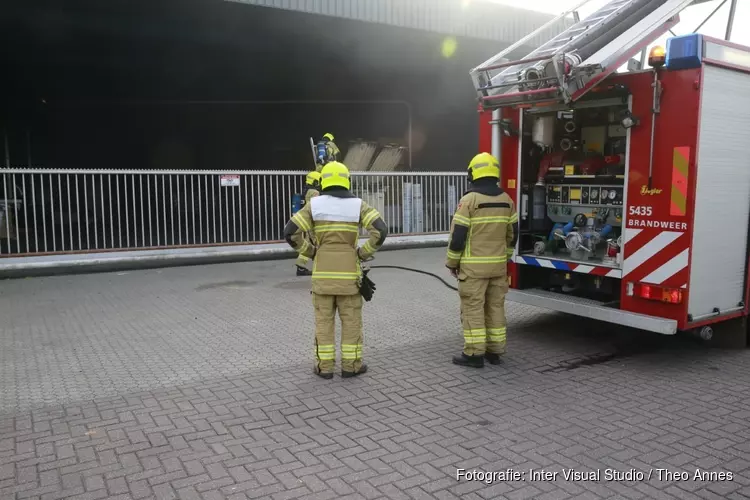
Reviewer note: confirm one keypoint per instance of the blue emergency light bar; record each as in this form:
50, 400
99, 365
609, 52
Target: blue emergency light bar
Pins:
684, 52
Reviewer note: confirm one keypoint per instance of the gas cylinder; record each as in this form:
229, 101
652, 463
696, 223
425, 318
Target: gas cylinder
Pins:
296, 203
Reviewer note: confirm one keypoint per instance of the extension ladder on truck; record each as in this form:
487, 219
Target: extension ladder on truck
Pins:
570, 64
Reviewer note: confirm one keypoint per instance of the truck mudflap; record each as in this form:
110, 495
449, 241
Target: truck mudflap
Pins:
592, 309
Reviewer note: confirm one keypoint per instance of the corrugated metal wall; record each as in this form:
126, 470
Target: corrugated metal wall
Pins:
479, 20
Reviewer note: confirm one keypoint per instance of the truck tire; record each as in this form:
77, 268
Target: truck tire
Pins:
729, 334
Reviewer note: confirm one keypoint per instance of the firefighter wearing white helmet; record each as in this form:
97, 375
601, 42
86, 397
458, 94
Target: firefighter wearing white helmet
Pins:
336, 217
312, 189
483, 235
327, 151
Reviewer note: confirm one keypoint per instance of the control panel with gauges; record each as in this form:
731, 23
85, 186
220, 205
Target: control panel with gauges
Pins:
564, 202
587, 222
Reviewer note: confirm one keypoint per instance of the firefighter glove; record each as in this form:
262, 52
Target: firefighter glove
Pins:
366, 287
362, 259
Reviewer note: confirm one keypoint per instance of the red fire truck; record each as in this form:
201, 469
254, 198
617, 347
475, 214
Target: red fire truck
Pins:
632, 187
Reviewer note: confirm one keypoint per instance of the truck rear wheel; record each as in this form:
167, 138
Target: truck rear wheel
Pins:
729, 334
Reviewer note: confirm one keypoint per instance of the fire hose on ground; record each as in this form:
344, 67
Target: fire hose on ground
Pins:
417, 271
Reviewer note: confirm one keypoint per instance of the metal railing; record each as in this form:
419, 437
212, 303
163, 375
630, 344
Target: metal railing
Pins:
45, 211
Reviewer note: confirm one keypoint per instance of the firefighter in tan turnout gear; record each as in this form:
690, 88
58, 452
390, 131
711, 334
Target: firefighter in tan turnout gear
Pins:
483, 235
326, 151
312, 189
335, 218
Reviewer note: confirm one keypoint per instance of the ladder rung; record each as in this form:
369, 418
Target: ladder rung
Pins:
567, 35
546, 52
555, 47
557, 43
510, 64
589, 23
573, 32
594, 20
604, 13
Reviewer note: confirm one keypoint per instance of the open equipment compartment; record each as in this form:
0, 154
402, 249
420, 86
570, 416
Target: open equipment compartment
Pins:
573, 167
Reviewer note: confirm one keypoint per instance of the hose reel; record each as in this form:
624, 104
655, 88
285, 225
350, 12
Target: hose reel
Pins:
580, 220
531, 78
539, 248
594, 238
574, 241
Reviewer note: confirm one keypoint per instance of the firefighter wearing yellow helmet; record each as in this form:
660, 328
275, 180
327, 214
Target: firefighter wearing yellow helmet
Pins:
311, 190
336, 217
483, 235
327, 151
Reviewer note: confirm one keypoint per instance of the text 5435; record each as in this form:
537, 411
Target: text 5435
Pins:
640, 210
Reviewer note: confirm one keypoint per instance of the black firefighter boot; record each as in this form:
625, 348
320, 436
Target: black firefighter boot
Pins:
325, 375
362, 369
493, 358
303, 271
472, 361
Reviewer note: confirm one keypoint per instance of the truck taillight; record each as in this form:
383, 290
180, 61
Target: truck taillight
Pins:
653, 292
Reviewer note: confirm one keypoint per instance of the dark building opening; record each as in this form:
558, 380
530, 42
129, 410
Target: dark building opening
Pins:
207, 85
224, 86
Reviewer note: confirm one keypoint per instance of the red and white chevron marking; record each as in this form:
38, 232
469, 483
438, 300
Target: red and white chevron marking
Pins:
656, 257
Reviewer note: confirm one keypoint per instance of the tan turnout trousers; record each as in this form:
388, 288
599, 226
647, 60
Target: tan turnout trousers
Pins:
483, 314
349, 308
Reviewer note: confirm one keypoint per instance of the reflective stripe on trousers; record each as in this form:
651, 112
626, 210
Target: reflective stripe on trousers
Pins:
483, 314
349, 308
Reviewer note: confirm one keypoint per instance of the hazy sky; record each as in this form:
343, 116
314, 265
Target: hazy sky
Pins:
689, 18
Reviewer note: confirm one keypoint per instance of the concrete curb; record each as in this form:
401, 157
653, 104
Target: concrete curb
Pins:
52, 265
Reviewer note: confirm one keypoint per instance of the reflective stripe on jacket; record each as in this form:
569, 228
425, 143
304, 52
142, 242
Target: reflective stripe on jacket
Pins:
482, 235
336, 221
310, 193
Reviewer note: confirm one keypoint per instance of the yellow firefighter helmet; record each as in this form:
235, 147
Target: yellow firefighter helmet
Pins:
484, 165
312, 178
335, 174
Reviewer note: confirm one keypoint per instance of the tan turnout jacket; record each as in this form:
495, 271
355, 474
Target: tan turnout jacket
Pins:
335, 221
310, 194
482, 236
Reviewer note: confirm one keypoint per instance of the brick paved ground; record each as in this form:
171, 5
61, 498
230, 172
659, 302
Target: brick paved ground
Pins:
195, 383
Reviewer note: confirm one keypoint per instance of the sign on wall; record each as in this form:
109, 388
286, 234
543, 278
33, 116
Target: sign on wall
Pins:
230, 180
